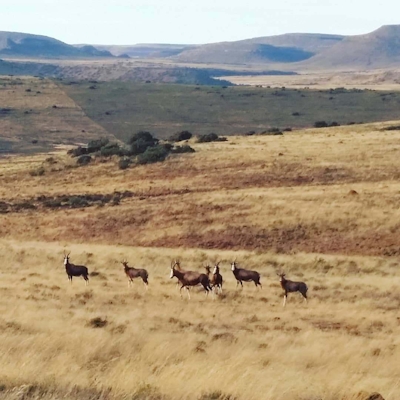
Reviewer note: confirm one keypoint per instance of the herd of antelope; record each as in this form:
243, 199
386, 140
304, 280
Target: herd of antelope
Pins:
211, 282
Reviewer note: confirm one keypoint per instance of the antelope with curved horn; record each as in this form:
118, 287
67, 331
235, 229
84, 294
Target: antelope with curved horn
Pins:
290, 287
75, 270
245, 275
216, 279
189, 278
133, 273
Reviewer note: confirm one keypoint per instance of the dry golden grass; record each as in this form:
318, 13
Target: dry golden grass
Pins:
240, 198
242, 344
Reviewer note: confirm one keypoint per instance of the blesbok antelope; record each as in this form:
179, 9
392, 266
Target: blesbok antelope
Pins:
190, 278
245, 275
216, 278
290, 286
133, 273
75, 270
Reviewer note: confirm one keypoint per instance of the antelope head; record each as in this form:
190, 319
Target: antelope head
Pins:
124, 263
207, 268
281, 276
216, 268
233, 265
66, 258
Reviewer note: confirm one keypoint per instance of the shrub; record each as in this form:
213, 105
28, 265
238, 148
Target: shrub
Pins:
124, 163
320, 124
96, 145
152, 155
140, 141
391, 128
210, 137
97, 322
77, 151
112, 149
180, 136
77, 202
182, 149
84, 160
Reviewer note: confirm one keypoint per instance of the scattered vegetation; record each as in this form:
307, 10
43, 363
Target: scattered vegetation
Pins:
143, 148
210, 137
205, 109
180, 136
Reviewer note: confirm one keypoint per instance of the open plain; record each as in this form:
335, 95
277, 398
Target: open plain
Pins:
320, 204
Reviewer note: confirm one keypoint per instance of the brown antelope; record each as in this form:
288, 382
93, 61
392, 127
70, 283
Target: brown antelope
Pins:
133, 273
290, 286
189, 278
216, 278
75, 270
245, 275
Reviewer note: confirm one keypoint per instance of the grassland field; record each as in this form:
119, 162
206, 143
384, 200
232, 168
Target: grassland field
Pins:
123, 108
320, 204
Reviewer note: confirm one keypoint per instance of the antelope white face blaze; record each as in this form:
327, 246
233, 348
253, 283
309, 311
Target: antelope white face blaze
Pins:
215, 270
65, 260
171, 275
233, 266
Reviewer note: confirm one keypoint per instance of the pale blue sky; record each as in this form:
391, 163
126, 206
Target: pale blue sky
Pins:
191, 21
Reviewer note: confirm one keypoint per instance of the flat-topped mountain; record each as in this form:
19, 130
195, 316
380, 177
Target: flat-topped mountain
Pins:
146, 50
14, 44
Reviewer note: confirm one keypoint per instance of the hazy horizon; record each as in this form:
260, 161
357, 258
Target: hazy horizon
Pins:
153, 21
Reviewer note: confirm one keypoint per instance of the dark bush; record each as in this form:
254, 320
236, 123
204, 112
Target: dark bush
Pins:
295, 114
180, 136
320, 124
210, 137
183, 149
77, 151
96, 145
391, 128
334, 123
272, 132
124, 163
112, 149
97, 322
77, 202
139, 142
153, 154
84, 160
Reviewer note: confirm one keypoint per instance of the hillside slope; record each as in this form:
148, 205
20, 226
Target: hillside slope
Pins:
271, 49
378, 49
14, 44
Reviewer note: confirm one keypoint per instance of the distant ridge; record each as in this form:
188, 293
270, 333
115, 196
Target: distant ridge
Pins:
146, 50
14, 44
287, 48
297, 52
378, 49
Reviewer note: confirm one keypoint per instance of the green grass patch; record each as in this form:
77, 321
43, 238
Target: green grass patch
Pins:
123, 108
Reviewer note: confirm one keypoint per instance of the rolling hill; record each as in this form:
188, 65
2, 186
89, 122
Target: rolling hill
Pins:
286, 48
378, 49
14, 44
